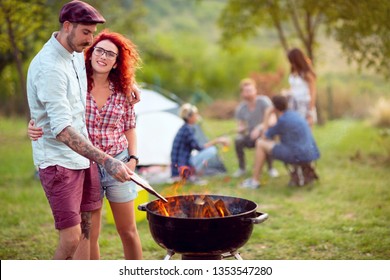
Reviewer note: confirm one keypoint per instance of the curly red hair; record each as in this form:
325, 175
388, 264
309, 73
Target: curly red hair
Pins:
128, 60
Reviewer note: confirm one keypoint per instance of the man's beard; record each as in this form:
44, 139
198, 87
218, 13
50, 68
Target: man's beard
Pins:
74, 47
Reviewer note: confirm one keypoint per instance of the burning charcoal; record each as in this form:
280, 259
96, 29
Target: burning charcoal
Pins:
162, 210
197, 207
206, 213
209, 208
167, 206
180, 214
199, 200
223, 211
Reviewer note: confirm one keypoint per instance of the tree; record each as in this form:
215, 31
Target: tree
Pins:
362, 27
19, 25
125, 16
363, 30
25, 25
243, 17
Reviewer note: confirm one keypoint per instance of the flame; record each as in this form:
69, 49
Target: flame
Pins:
220, 211
174, 206
190, 206
185, 172
162, 208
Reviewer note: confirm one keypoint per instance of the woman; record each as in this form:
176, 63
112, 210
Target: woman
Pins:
184, 165
302, 81
111, 62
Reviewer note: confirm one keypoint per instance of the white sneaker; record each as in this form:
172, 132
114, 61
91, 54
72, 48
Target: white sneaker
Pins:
273, 173
250, 184
240, 172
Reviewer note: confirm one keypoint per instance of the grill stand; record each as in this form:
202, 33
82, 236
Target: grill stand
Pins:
234, 254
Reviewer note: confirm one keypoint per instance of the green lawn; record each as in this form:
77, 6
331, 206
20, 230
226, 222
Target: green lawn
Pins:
344, 216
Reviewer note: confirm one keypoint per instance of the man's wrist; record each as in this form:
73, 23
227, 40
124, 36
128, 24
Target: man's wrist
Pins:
106, 157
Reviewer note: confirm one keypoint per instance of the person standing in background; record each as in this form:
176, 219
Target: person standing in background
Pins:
302, 93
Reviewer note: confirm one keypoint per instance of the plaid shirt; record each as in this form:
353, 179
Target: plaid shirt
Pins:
106, 126
183, 144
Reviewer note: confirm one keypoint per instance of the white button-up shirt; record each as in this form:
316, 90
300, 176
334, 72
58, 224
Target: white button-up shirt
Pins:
56, 90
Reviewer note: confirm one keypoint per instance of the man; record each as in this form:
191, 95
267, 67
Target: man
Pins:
250, 114
296, 146
56, 89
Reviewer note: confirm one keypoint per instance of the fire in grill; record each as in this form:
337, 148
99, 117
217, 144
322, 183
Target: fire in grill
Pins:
202, 226
193, 207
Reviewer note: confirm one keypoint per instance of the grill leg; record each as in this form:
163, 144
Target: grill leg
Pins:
169, 255
234, 254
237, 255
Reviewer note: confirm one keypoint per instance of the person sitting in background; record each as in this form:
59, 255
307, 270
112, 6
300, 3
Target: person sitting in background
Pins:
296, 146
250, 115
184, 165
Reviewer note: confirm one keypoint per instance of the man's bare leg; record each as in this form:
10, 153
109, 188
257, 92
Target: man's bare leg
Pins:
69, 240
83, 250
263, 147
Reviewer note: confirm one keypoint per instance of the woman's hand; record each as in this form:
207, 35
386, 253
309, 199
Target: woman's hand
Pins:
310, 120
311, 117
135, 95
34, 133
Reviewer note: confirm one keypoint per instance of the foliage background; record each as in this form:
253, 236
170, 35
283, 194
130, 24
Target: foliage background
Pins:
179, 42
344, 217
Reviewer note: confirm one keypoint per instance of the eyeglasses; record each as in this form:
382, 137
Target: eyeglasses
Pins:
109, 54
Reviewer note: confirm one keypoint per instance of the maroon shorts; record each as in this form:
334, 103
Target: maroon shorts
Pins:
70, 192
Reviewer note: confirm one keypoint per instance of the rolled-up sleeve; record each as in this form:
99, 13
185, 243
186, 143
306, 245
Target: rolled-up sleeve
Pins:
52, 92
130, 122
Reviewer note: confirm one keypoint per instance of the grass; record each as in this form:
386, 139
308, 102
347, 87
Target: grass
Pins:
344, 216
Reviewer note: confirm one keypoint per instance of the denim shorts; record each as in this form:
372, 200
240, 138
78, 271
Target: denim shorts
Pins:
114, 190
283, 153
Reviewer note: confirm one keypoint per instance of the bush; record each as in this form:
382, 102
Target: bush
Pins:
221, 109
380, 113
380, 117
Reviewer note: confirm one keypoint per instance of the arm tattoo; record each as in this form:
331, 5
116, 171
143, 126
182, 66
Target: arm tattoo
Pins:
77, 142
112, 166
